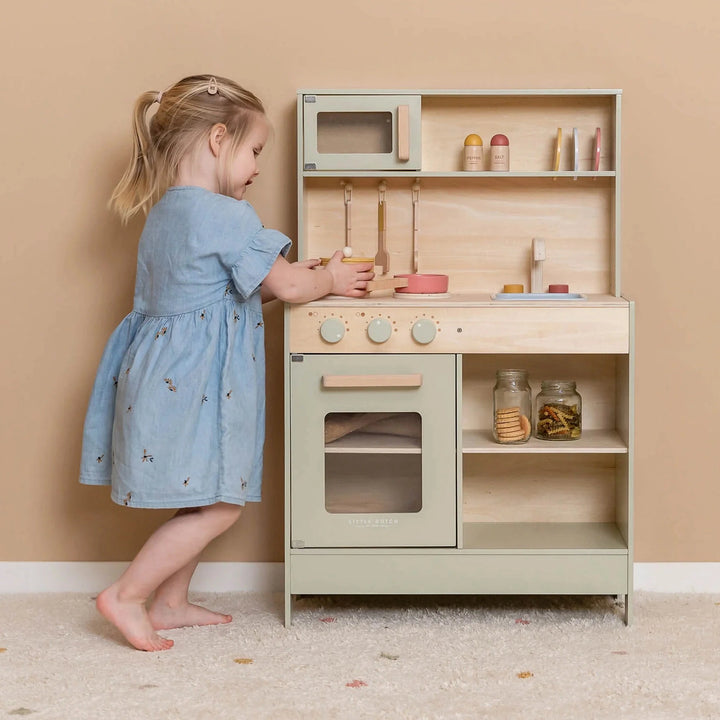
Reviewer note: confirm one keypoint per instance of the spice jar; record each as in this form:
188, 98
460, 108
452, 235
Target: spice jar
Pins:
473, 153
500, 153
512, 407
558, 411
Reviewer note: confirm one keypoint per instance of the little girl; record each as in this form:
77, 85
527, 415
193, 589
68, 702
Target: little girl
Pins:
177, 413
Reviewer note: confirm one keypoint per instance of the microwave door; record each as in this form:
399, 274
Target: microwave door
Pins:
362, 133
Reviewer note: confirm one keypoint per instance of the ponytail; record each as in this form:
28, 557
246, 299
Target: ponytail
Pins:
137, 188
186, 112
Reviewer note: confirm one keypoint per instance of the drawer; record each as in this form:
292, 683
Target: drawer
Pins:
458, 572
542, 330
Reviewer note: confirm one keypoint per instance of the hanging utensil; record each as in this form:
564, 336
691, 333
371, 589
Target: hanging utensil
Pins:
415, 222
382, 259
420, 283
348, 223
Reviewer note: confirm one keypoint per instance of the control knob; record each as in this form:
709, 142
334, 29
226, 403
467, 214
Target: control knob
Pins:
379, 330
424, 331
332, 330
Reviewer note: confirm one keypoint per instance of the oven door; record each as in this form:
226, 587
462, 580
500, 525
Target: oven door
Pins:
372, 451
361, 132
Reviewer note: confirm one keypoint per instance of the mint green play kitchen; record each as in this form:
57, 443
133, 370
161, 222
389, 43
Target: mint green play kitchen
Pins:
467, 427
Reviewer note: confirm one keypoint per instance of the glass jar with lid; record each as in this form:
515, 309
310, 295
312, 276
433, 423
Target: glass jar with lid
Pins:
512, 407
558, 408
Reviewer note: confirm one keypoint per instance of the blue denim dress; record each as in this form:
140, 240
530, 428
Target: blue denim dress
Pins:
177, 413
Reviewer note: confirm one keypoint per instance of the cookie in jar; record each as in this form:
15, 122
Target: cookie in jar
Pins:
512, 407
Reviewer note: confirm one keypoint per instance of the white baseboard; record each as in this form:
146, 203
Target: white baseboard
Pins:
678, 577
91, 577
32, 577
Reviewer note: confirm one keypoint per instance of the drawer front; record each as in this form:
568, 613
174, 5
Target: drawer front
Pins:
545, 330
459, 573
372, 489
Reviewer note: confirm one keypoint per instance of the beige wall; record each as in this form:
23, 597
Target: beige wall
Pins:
70, 73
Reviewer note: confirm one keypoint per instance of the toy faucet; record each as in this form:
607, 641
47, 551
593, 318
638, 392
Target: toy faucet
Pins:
536, 269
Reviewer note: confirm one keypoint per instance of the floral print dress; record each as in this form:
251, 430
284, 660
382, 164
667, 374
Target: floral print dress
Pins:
177, 413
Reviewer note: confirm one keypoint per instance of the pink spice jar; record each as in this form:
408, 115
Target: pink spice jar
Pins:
500, 153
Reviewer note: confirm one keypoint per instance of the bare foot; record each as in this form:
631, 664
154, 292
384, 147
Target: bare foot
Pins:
164, 617
131, 618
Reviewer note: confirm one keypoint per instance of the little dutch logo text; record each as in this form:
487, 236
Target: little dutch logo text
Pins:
373, 522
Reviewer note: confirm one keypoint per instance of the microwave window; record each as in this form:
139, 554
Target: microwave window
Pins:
373, 463
342, 133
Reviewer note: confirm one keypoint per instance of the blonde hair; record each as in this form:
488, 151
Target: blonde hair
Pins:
186, 113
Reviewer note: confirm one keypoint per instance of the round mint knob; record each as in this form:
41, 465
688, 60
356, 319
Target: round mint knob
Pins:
332, 330
424, 331
379, 330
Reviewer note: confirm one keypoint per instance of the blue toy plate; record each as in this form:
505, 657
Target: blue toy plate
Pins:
538, 296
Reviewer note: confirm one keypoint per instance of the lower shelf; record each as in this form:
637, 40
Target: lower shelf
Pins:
541, 538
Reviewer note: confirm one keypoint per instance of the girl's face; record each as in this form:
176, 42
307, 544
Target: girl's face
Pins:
243, 165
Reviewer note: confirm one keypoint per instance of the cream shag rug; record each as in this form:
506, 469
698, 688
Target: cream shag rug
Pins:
370, 657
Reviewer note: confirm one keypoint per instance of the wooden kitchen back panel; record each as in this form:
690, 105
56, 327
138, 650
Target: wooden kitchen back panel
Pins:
478, 230
539, 488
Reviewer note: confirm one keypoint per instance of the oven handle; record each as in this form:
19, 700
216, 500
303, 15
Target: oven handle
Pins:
370, 381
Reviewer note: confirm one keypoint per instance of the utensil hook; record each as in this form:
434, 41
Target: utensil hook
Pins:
415, 204
347, 197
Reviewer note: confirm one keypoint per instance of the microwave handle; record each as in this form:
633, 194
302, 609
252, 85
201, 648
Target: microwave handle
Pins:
403, 132
372, 381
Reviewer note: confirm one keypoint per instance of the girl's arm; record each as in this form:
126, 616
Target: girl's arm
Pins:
304, 281
266, 294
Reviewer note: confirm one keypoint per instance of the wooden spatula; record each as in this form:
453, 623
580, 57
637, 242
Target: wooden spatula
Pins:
382, 258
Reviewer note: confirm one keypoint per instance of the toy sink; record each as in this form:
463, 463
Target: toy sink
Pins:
538, 296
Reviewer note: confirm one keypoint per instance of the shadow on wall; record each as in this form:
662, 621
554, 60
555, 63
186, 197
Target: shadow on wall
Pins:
103, 263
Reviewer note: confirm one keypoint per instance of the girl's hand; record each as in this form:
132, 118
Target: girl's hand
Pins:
311, 263
349, 279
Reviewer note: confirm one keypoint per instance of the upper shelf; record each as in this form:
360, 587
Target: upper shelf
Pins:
457, 174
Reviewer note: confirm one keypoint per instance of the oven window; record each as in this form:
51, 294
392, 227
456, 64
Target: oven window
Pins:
373, 462
341, 133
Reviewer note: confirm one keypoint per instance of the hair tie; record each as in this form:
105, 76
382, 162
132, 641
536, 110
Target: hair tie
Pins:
158, 97
212, 86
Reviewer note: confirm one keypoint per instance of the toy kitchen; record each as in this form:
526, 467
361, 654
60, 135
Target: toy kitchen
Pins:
425, 421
